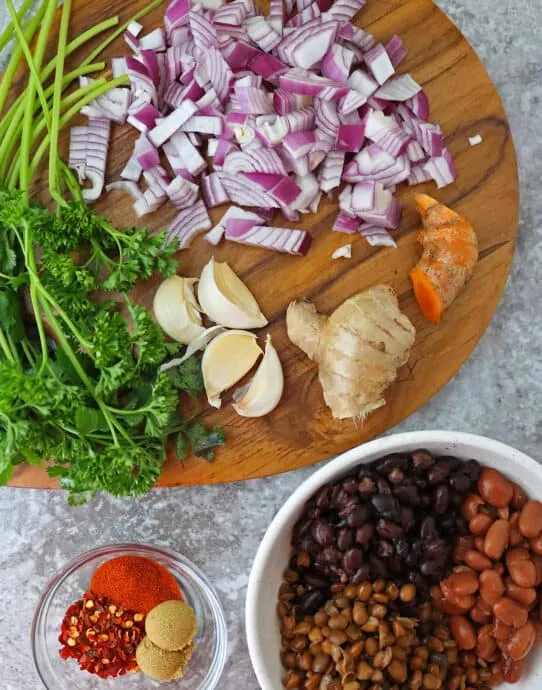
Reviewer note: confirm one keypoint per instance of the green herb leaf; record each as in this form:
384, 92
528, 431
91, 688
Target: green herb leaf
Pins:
88, 419
187, 377
205, 440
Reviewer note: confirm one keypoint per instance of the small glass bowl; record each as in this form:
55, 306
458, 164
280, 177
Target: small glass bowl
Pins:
68, 585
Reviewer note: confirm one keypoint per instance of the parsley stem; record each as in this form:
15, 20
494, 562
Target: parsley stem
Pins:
5, 347
57, 97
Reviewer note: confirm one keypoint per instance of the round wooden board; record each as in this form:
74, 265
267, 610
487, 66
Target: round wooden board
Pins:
301, 430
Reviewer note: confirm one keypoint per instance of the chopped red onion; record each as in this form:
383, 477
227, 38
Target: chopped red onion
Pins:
232, 13
246, 193
298, 144
127, 186
262, 33
350, 137
276, 15
308, 44
386, 133
253, 101
134, 28
395, 48
344, 10
344, 222
132, 170
419, 174
337, 63
182, 193
379, 63
176, 14
363, 197
306, 15
296, 242
202, 29
386, 212
361, 82
356, 36
401, 88
188, 224
327, 118
419, 105
376, 236
145, 118
442, 169
331, 170
213, 191
172, 123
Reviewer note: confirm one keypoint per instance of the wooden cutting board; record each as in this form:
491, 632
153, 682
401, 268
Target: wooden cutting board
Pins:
301, 430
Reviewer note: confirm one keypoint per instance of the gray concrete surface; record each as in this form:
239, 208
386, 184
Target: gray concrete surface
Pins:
497, 393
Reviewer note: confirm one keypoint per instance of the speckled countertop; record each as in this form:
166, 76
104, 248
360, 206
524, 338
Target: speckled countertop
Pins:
497, 393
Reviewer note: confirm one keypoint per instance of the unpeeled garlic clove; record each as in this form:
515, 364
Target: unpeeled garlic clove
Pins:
226, 359
263, 392
226, 299
176, 309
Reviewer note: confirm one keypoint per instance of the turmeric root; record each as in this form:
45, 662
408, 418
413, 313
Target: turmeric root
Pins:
450, 252
358, 348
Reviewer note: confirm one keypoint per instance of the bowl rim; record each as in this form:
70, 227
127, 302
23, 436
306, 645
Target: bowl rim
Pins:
221, 652
336, 466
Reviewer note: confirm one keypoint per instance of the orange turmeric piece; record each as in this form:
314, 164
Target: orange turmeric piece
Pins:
450, 252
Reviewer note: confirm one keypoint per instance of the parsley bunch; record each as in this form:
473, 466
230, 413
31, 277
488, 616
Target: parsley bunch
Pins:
80, 378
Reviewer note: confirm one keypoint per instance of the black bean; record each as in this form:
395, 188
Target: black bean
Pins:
314, 579
450, 460
439, 472
349, 506
350, 485
428, 528
383, 486
462, 526
361, 575
322, 497
388, 529
384, 549
309, 545
448, 523
442, 499
395, 564
378, 568
330, 556
413, 556
420, 483
396, 476
422, 459
345, 540
352, 561
387, 506
358, 516
407, 519
310, 602
472, 469
341, 499
365, 533
435, 548
323, 533
338, 574
302, 527
431, 566
366, 487
407, 493
402, 547
460, 482
392, 462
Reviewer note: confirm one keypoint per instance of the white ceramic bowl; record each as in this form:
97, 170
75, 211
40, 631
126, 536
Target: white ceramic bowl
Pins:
272, 557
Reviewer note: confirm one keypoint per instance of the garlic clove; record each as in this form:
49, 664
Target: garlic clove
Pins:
263, 392
199, 343
226, 359
226, 299
176, 309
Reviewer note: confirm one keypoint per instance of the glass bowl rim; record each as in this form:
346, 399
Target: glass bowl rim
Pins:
209, 593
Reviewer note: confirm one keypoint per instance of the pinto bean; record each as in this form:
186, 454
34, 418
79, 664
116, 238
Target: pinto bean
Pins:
521, 568
480, 524
519, 497
477, 560
515, 535
494, 488
491, 586
525, 595
522, 641
485, 643
481, 612
463, 632
510, 612
496, 540
464, 582
512, 670
536, 544
530, 519
471, 506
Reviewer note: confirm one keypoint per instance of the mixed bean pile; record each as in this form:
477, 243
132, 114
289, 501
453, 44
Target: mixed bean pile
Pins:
413, 572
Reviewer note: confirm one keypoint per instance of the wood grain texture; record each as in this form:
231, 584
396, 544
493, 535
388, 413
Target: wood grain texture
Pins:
301, 430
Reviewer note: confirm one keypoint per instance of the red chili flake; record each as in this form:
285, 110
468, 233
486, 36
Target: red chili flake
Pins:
101, 636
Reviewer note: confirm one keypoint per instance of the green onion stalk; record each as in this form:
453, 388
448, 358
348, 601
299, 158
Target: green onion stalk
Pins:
77, 386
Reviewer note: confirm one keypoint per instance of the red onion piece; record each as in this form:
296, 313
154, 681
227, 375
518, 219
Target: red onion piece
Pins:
379, 63
376, 236
188, 224
286, 240
344, 222
213, 191
395, 48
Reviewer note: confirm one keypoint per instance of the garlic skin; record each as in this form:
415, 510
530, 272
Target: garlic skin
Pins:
226, 299
176, 309
199, 343
263, 392
226, 359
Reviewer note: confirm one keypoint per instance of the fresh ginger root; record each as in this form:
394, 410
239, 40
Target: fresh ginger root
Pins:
358, 349
450, 252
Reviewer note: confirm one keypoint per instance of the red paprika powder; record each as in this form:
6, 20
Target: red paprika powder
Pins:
135, 582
